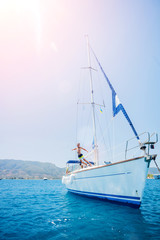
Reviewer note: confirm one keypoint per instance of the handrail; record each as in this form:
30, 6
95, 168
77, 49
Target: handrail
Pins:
147, 142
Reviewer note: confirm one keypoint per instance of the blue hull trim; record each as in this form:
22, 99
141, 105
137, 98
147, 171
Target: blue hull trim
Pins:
125, 200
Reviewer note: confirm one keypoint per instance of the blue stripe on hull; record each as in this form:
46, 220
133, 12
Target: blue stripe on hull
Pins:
127, 200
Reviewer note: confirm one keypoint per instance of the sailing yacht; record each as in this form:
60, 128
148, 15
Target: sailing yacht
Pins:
122, 181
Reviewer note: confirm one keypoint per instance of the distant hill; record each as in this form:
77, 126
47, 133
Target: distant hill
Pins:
19, 169
153, 170
29, 170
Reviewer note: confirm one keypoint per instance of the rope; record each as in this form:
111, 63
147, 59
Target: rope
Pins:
156, 165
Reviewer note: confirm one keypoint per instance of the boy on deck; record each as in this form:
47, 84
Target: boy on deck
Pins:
80, 155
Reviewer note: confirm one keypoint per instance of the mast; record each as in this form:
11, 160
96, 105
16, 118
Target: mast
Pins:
93, 105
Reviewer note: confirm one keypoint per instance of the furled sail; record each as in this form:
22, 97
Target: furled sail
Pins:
116, 104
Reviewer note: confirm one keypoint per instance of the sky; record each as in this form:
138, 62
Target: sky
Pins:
42, 51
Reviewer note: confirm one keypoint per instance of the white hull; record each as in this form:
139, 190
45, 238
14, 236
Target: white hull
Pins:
122, 181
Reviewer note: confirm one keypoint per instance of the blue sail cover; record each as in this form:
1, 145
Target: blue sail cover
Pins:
117, 106
76, 162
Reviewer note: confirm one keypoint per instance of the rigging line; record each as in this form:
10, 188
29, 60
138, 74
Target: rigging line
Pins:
89, 153
136, 151
105, 110
111, 148
77, 124
115, 147
109, 144
78, 121
78, 89
113, 133
99, 79
129, 149
89, 114
115, 99
100, 89
81, 92
117, 155
107, 128
101, 130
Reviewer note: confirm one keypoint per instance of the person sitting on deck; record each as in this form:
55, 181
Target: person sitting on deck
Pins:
80, 155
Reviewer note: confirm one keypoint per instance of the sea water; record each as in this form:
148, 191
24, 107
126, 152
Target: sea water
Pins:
37, 209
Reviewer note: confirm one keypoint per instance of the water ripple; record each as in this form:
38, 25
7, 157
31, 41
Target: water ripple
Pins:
32, 209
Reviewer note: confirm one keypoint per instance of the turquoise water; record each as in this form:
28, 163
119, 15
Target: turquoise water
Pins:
37, 209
